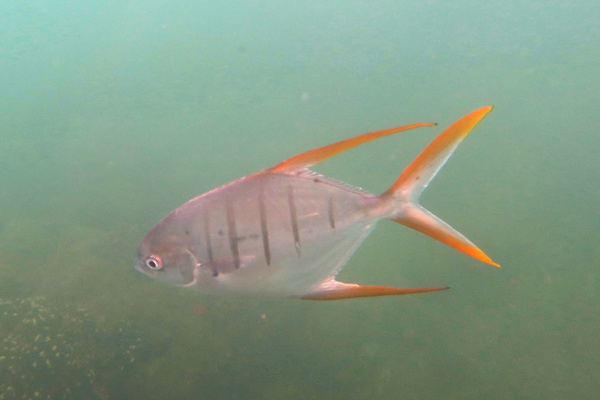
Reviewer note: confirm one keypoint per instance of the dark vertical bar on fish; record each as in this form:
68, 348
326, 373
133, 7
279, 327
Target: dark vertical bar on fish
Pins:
232, 233
209, 245
207, 234
262, 211
330, 213
294, 219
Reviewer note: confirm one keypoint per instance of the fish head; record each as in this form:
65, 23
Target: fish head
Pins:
164, 256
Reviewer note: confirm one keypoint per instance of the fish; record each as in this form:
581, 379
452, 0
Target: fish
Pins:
287, 231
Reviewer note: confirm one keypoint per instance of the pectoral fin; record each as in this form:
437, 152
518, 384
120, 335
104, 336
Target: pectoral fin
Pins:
334, 290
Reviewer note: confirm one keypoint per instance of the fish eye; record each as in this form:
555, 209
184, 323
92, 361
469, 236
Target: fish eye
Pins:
154, 263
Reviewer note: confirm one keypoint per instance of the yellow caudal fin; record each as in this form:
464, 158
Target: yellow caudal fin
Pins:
314, 156
334, 290
407, 189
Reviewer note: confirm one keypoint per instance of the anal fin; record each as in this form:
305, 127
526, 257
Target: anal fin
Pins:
334, 290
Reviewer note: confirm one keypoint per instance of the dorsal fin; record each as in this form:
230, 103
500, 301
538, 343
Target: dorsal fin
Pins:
314, 156
309, 173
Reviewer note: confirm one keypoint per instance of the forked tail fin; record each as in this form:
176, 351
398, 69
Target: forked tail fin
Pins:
407, 189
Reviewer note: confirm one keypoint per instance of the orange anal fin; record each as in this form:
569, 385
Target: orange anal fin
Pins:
340, 290
314, 156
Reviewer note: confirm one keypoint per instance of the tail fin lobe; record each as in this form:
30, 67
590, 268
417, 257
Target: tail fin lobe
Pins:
419, 219
409, 186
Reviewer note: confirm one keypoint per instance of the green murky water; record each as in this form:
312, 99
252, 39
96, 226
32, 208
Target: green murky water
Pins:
114, 113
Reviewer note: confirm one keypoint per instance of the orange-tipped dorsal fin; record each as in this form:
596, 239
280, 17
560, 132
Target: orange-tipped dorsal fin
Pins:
314, 156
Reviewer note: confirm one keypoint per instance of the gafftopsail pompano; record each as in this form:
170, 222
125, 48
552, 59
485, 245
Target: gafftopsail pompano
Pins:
287, 231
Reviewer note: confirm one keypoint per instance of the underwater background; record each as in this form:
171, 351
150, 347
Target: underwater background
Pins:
114, 113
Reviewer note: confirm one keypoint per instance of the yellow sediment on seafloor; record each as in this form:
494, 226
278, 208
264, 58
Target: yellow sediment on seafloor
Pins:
48, 351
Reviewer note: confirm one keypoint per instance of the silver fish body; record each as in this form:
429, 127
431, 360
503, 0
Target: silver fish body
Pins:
287, 231
268, 234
